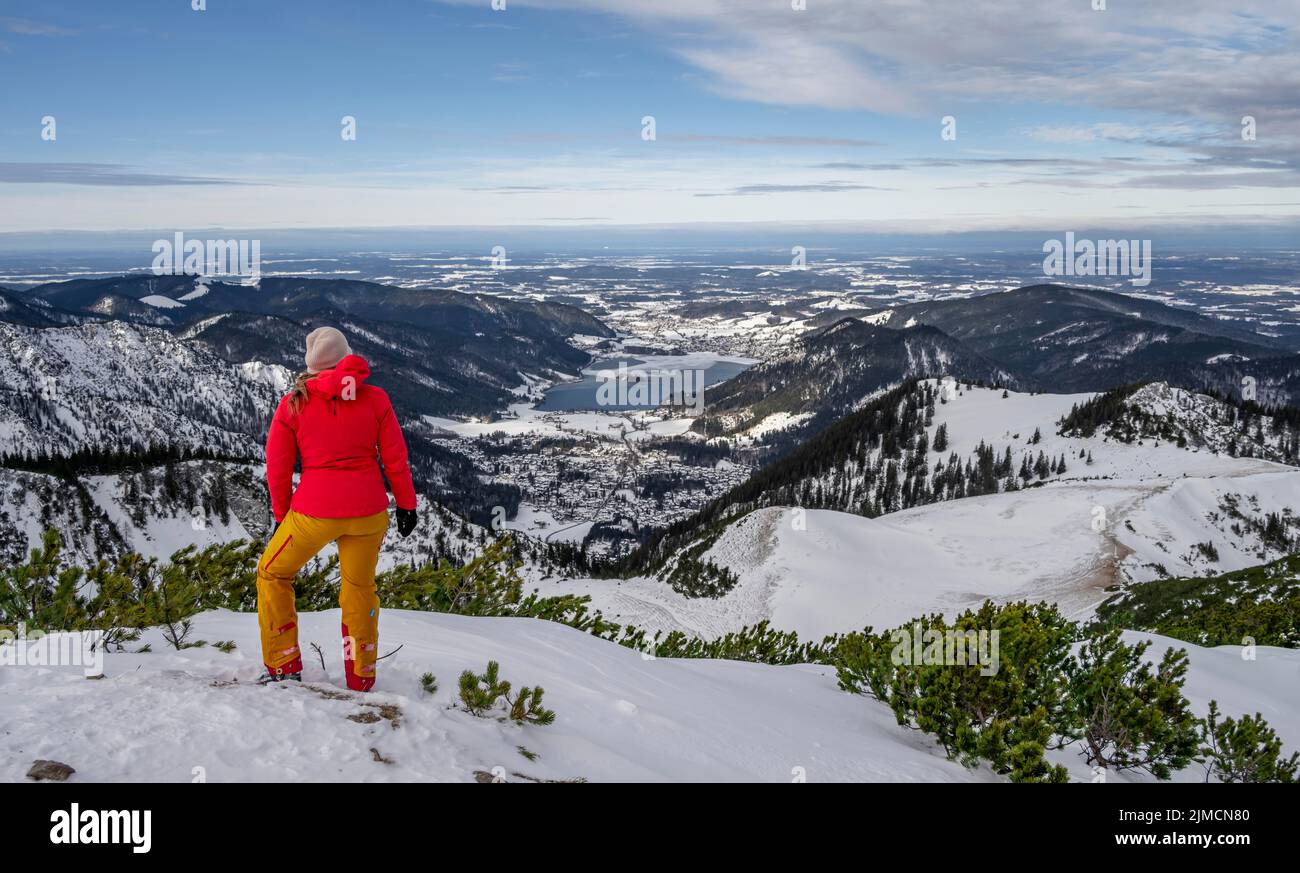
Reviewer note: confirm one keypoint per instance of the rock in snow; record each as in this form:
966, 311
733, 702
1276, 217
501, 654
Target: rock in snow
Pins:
49, 771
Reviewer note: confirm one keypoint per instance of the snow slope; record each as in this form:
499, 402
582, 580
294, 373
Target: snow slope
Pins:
167, 528
620, 716
103, 516
982, 414
1226, 511
1136, 510
826, 572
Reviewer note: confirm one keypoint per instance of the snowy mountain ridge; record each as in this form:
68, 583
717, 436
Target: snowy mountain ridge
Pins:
1159, 411
121, 387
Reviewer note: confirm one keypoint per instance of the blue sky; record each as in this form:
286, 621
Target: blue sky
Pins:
1065, 115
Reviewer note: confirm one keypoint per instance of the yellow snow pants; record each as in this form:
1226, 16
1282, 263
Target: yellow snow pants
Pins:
295, 542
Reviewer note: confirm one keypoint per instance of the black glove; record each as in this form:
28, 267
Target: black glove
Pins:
405, 521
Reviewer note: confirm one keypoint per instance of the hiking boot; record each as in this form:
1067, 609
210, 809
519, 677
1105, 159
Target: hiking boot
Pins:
268, 677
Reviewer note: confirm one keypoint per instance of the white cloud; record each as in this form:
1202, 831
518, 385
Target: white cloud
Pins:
1204, 58
1109, 130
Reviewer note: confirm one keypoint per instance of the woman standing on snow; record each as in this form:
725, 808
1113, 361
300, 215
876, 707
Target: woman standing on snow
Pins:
342, 429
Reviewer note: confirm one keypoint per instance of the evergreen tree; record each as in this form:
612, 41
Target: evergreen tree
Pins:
1128, 716
1275, 531
941, 438
1244, 751
1003, 716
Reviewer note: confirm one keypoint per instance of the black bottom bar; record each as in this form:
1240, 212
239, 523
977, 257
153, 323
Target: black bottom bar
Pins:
219, 823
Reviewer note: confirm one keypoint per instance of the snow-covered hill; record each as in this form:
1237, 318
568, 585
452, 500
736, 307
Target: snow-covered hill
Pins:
115, 385
1159, 412
830, 373
153, 511
973, 415
164, 715
1139, 511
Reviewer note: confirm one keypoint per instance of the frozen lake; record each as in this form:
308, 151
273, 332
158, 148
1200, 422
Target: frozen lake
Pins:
583, 394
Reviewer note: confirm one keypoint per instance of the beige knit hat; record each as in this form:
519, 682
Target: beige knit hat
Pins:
326, 346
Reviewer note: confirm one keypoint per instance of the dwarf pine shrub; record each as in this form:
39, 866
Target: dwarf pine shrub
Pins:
1244, 750
481, 693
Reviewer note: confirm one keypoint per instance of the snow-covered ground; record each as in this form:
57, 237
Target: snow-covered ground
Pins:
770, 424
1164, 529
540, 523
175, 716
818, 572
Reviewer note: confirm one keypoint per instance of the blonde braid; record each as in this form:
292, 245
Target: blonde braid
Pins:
298, 396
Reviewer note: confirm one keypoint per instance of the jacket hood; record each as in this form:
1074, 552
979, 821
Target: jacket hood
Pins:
351, 371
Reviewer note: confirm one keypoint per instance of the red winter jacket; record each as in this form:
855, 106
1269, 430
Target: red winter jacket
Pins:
342, 431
